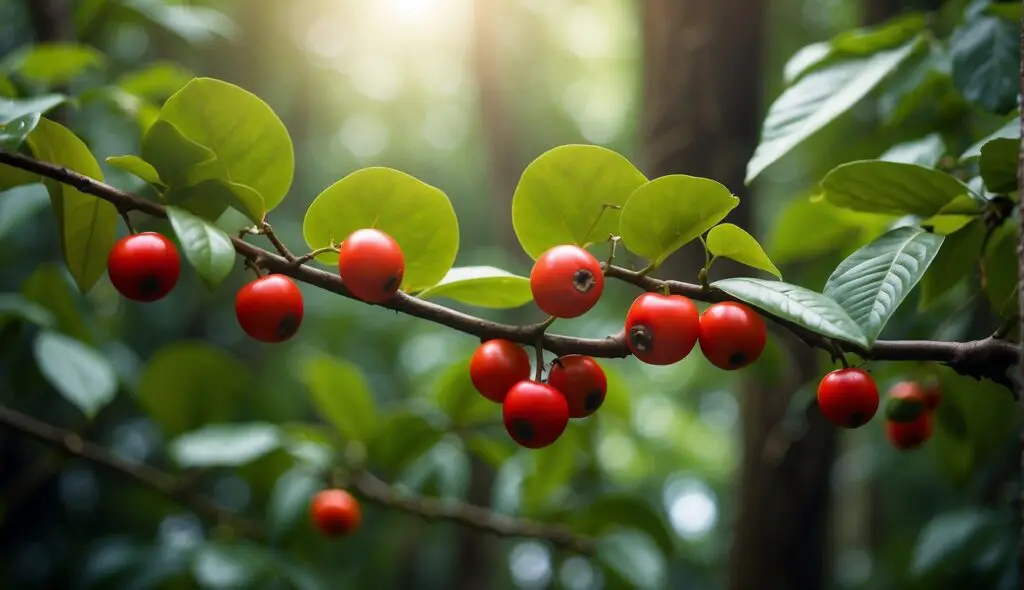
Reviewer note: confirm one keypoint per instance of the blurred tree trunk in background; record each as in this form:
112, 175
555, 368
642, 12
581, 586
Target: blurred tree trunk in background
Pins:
51, 20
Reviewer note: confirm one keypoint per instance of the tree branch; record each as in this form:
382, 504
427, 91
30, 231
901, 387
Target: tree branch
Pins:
989, 357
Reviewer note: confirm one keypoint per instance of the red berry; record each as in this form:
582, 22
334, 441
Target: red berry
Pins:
932, 394
270, 308
496, 366
566, 281
906, 401
731, 335
144, 267
535, 414
909, 435
371, 264
335, 512
661, 329
581, 380
848, 398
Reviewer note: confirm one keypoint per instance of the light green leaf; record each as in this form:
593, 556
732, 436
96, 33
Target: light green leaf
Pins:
455, 395
82, 376
793, 303
874, 186
225, 445
142, 111
819, 98
418, 216
173, 155
561, 197
54, 63
88, 224
341, 396
290, 498
634, 558
1010, 11
195, 24
873, 281
16, 108
402, 438
731, 241
13, 305
985, 55
209, 199
7, 90
1002, 268
252, 146
926, 151
137, 166
156, 81
207, 248
669, 212
1009, 130
187, 385
810, 227
19, 204
484, 286
957, 257
998, 165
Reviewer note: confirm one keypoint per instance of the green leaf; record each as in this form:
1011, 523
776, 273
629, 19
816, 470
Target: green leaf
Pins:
874, 186
20, 204
137, 166
810, 227
223, 566
731, 241
156, 81
1009, 130
140, 110
1001, 268
985, 54
926, 151
195, 24
562, 195
252, 146
49, 287
819, 98
225, 445
88, 224
1010, 11
341, 396
957, 257
207, 248
633, 557
998, 165
209, 199
16, 108
948, 537
873, 281
455, 395
289, 499
669, 212
612, 511
494, 452
7, 90
418, 216
54, 63
173, 155
187, 385
14, 132
550, 470
402, 438
81, 375
803, 307
13, 305
483, 286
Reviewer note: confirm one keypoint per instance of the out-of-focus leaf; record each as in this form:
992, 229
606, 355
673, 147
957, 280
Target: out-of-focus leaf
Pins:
874, 186
986, 62
289, 499
926, 151
341, 395
1001, 268
194, 24
455, 395
550, 469
156, 81
632, 557
20, 204
958, 255
54, 63
610, 512
998, 165
402, 438
49, 287
225, 445
82, 375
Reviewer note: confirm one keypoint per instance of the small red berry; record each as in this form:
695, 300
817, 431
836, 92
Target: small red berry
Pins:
335, 512
661, 329
848, 398
909, 435
371, 265
496, 366
731, 335
270, 308
932, 394
144, 267
581, 380
906, 401
535, 414
566, 281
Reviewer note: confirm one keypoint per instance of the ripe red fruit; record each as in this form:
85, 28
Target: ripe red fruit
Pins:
496, 366
932, 394
661, 329
581, 380
909, 435
566, 281
335, 512
848, 398
270, 308
906, 402
371, 264
144, 267
731, 335
535, 414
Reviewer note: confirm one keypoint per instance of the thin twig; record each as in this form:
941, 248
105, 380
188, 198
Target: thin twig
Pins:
283, 250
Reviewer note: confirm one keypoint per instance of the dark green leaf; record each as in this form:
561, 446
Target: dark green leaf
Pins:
49, 287
237, 565
82, 376
731, 241
342, 397
16, 306
483, 286
289, 499
402, 438
958, 256
1010, 11
156, 81
998, 165
225, 445
209, 199
138, 167
194, 24
20, 204
1001, 268
1009, 130
986, 62
873, 281
633, 557
7, 90
613, 511
926, 151
948, 537
54, 63
207, 248
874, 186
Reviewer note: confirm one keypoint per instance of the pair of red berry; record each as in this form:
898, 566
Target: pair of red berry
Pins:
910, 428
536, 414
335, 512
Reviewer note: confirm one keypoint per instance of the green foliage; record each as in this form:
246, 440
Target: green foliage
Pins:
957, 257
483, 286
194, 24
731, 241
79, 373
20, 204
926, 151
207, 248
454, 394
224, 445
137, 166
606, 512
1001, 268
157, 81
289, 499
874, 186
809, 228
52, 64
998, 165
16, 307
985, 55
49, 287
342, 397
633, 558
403, 437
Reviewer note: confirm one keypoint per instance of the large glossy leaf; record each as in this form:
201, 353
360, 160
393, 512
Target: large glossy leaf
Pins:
731, 241
82, 375
484, 286
803, 307
418, 216
207, 248
667, 213
959, 254
873, 281
874, 186
225, 445
998, 165
819, 98
985, 54
54, 63
562, 197
342, 397
173, 155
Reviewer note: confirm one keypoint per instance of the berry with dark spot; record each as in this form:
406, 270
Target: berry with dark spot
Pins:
582, 381
270, 308
905, 401
144, 267
909, 435
662, 329
535, 414
371, 264
496, 366
731, 335
566, 281
848, 398
335, 512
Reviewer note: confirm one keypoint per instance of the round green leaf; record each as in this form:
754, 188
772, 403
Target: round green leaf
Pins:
875, 186
207, 248
562, 197
669, 212
225, 445
418, 216
801, 306
249, 140
485, 286
341, 395
79, 373
731, 241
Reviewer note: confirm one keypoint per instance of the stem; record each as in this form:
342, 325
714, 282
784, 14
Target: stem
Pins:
597, 219
613, 242
128, 222
283, 250
313, 254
